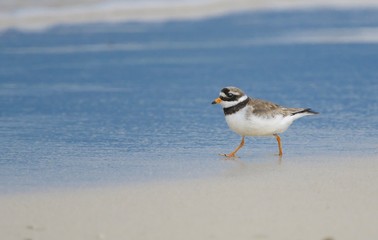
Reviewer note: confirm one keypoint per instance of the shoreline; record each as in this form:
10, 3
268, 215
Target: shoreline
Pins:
42, 17
220, 168
250, 201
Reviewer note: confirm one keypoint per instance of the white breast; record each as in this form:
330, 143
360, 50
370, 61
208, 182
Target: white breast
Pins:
251, 125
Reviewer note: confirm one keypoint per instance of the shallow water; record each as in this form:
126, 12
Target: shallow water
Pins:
117, 103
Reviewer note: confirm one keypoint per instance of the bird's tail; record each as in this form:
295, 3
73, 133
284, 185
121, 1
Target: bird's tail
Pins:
305, 111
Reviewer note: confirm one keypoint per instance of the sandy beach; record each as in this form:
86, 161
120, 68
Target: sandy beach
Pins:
269, 200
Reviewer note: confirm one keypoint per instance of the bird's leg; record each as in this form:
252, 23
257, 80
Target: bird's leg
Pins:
237, 149
279, 144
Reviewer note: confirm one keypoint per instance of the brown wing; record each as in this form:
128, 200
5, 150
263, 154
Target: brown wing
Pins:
266, 108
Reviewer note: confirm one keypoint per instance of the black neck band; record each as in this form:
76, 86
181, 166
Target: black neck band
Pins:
237, 107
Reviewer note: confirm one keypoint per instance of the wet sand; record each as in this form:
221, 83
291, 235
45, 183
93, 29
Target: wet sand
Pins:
266, 200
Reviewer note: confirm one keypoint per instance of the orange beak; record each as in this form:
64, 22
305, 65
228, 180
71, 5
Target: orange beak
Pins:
216, 101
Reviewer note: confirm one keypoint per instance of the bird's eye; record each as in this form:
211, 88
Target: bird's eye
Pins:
230, 95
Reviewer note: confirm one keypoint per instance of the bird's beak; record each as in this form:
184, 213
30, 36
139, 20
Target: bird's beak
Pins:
216, 101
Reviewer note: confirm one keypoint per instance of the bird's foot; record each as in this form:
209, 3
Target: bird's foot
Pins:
230, 155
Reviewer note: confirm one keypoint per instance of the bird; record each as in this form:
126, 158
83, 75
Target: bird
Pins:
249, 116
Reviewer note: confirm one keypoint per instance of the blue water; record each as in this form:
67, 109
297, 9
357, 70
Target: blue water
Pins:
121, 103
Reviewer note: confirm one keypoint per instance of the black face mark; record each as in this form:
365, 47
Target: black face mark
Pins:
229, 96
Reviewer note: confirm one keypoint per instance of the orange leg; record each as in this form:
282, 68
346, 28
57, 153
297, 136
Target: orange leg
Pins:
237, 149
279, 144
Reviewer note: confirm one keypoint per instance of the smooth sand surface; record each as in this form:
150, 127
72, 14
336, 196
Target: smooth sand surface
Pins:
266, 200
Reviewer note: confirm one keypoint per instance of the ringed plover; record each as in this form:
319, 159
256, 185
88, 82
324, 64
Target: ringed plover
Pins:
255, 117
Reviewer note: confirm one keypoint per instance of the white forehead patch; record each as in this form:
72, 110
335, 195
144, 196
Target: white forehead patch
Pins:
222, 94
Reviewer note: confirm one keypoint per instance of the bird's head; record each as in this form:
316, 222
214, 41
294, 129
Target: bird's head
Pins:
230, 96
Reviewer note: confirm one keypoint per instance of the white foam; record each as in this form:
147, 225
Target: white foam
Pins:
40, 14
319, 36
335, 35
